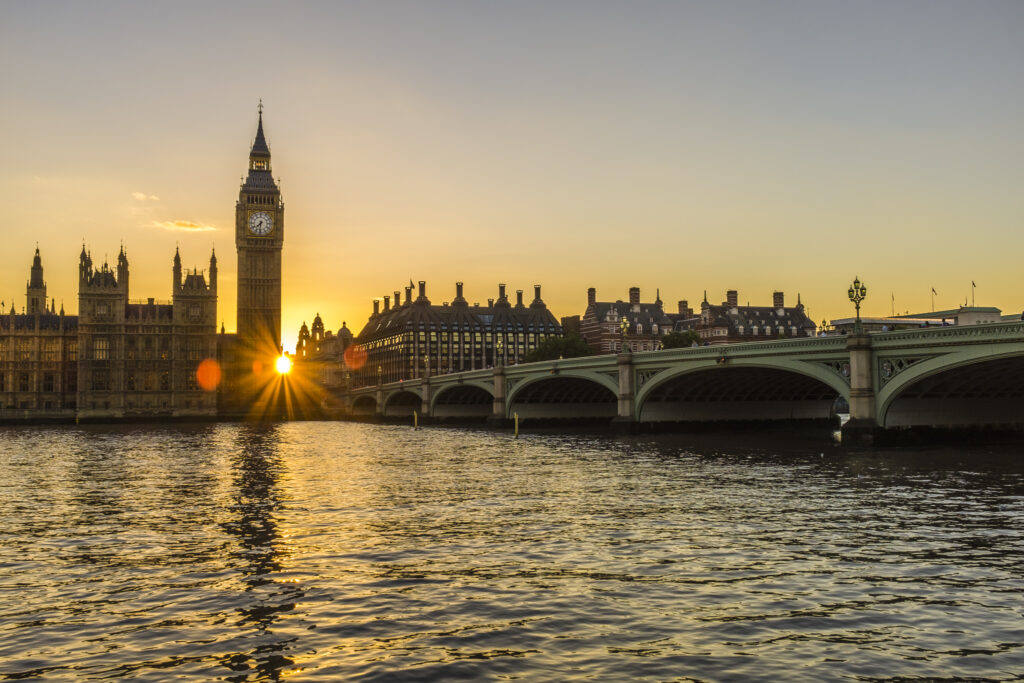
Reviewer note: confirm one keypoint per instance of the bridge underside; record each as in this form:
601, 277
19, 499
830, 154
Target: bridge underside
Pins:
364, 406
402, 404
564, 398
989, 393
463, 401
739, 394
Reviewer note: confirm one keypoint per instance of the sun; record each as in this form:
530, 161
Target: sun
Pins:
283, 365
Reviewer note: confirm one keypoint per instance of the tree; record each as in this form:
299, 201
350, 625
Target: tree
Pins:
552, 348
680, 340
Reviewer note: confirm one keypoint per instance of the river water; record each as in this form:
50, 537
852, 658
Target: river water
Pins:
338, 551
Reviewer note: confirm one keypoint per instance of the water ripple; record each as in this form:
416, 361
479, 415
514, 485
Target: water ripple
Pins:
341, 551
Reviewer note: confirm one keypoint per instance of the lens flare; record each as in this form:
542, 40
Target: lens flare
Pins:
355, 357
208, 375
283, 365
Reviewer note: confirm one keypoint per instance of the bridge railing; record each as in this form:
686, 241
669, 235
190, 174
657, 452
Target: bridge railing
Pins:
954, 334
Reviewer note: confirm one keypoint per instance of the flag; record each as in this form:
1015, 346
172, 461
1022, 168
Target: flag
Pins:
972, 284
933, 291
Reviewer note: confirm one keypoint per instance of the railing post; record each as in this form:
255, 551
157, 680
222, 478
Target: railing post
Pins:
862, 426
625, 418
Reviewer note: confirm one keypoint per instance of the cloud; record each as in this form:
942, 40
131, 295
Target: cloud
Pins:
183, 226
143, 197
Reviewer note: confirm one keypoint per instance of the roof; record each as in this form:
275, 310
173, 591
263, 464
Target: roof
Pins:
47, 321
422, 315
646, 314
747, 317
951, 313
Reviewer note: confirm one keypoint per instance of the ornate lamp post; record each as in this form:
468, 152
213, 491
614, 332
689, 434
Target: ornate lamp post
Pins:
624, 327
426, 366
857, 293
380, 374
500, 347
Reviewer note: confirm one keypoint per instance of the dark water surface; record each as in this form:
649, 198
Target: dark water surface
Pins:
336, 551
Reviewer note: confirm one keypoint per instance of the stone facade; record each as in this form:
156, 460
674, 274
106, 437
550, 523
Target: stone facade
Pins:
416, 338
601, 324
117, 358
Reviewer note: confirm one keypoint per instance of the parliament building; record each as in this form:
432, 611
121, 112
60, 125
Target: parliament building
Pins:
124, 358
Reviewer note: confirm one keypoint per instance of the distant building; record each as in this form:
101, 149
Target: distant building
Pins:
139, 358
321, 354
965, 315
729, 322
601, 323
38, 356
117, 358
414, 338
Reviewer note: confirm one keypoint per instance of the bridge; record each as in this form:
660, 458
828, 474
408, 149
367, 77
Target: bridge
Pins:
948, 377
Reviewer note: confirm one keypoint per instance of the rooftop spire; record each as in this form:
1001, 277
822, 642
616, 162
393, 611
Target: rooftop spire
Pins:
259, 145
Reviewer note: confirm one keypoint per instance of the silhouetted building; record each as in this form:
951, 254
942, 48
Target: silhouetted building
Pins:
730, 323
414, 338
601, 324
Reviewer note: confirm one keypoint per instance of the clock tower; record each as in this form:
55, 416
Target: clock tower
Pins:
259, 236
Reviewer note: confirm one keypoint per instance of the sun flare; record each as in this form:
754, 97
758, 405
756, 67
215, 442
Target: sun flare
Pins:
283, 365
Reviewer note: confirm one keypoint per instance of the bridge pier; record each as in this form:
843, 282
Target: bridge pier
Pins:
380, 399
862, 427
425, 399
498, 416
625, 417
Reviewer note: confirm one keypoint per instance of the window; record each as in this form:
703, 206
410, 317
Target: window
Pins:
100, 348
24, 350
50, 351
100, 381
165, 381
48, 382
23, 382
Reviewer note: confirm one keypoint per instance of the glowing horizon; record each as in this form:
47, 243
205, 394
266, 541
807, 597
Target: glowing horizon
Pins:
683, 147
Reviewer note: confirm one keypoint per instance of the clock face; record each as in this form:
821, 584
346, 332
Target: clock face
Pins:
261, 223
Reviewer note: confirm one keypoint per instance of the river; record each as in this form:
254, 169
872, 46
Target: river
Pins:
342, 551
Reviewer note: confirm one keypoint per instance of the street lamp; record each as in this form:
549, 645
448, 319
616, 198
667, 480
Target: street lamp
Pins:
426, 366
857, 293
624, 326
380, 374
500, 347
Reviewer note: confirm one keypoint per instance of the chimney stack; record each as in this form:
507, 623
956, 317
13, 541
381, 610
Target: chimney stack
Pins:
536, 294
458, 290
408, 295
423, 290
387, 303
634, 295
591, 296
778, 300
501, 292
376, 307
684, 308
490, 303
519, 298
732, 298
398, 298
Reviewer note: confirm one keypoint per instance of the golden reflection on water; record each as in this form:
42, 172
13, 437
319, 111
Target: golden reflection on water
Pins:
334, 551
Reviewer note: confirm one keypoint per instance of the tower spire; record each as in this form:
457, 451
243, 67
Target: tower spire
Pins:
259, 145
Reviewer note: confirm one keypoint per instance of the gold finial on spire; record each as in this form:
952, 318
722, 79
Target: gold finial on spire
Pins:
261, 106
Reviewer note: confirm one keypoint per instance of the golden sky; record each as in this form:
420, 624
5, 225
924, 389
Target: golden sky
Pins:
686, 146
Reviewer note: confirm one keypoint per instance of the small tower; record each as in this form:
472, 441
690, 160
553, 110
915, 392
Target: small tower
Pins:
122, 270
35, 292
213, 271
176, 272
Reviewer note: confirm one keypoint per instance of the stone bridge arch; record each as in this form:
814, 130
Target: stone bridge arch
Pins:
364, 405
741, 389
465, 399
563, 395
402, 403
972, 387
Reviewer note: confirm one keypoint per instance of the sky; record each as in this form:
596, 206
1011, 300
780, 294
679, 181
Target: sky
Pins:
678, 146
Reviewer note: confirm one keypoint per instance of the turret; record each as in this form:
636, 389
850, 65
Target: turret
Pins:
35, 291
177, 270
213, 271
122, 270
